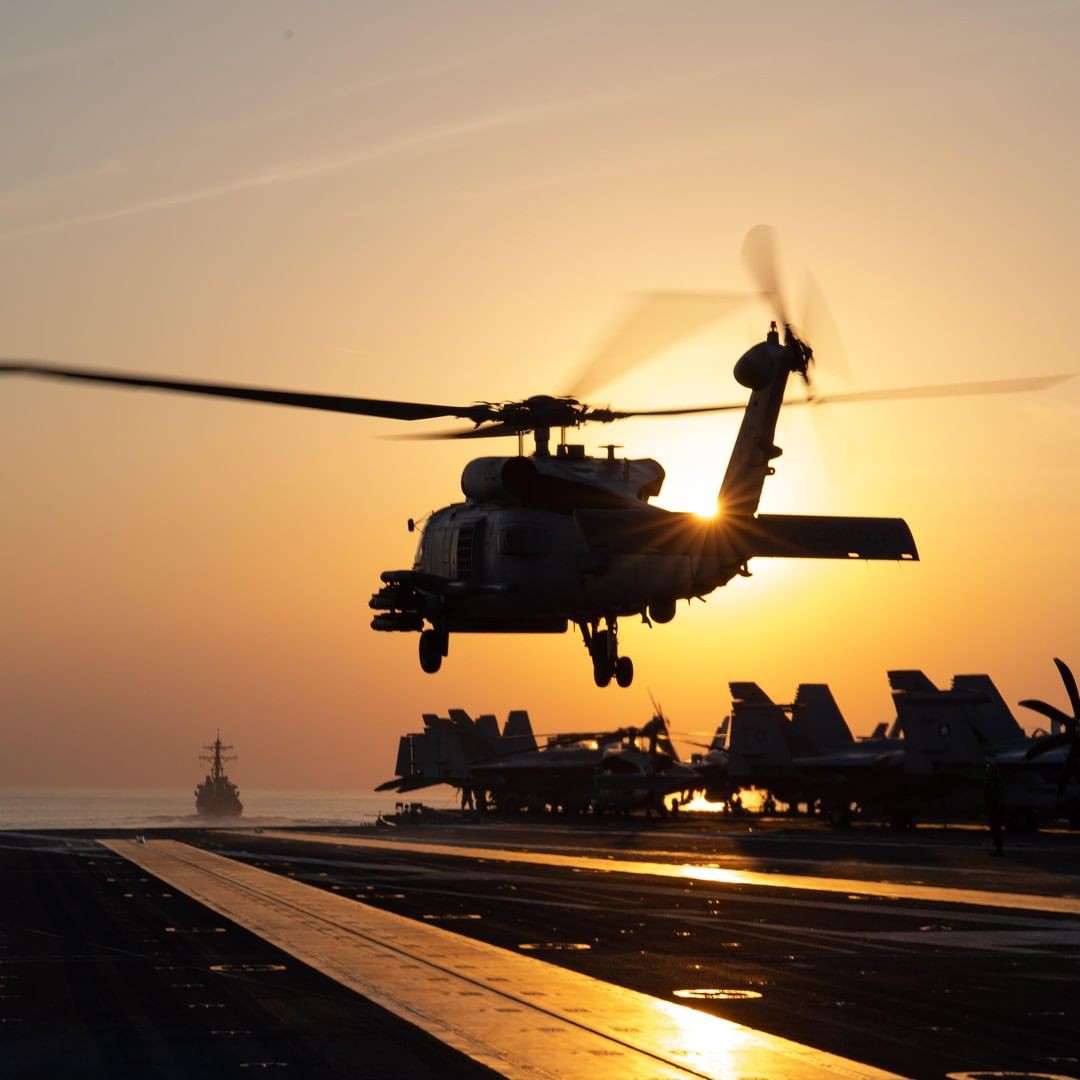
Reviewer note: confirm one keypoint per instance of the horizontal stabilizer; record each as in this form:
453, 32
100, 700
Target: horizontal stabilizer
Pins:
812, 536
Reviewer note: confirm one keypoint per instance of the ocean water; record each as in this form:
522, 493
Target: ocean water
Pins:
30, 808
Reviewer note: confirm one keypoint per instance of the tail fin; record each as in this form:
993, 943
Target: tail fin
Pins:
719, 739
937, 730
759, 733
911, 682
990, 716
817, 719
517, 736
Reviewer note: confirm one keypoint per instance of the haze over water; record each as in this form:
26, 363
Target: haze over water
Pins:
450, 203
34, 808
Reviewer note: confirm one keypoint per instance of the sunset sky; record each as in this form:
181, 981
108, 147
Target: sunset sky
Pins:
451, 202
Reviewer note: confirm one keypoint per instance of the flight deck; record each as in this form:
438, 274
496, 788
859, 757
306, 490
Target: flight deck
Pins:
683, 949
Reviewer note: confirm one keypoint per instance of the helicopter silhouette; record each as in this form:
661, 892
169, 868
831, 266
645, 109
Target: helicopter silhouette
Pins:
548, 539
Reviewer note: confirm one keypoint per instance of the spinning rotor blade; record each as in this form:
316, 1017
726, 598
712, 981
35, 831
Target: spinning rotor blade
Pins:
997, 386
492, 431
820, 330
942, 390
605, 415
393, 410
759, 254
654, 322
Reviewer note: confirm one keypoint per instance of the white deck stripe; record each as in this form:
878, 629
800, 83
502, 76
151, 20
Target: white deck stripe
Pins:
1060, 905
518, 1015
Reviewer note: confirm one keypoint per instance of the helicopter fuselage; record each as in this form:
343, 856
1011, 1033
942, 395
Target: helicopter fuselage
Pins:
523, 552
543, 541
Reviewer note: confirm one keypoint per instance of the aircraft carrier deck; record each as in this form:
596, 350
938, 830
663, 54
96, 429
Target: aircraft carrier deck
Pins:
684, 948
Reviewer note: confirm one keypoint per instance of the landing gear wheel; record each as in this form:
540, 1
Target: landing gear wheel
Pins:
431, 653
601, 671
624, 671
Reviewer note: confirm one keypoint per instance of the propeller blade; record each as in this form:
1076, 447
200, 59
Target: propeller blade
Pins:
654, 322
1070, 685
942, 390
1068, 723
393, 410
1045, 745
759, 254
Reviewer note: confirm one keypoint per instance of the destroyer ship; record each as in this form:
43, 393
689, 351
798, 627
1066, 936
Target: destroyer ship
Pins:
216, 796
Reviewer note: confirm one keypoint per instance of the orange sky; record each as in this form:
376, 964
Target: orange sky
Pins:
450, 202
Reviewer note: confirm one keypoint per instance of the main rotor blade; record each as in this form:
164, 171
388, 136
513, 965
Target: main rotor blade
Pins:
492, 431
942, 390
997, 386
759, 254
606, 415
393, 410
654, 322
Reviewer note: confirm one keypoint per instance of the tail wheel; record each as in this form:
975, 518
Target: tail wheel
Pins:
431, 652
624, 671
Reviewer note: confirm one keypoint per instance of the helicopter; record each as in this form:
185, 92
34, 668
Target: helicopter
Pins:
546, 540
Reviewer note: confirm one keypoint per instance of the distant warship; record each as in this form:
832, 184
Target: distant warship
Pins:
216, 796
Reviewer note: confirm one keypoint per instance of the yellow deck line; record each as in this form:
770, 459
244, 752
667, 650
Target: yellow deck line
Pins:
1060, 905
515, 1014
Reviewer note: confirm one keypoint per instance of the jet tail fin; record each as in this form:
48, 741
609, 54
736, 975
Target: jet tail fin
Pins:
518, 734
817, 719
990, 716
759, 733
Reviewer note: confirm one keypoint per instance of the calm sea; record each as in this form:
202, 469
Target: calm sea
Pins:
29, 808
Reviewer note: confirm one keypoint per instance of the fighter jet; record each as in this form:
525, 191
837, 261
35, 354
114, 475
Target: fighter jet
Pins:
929, 762
625, 769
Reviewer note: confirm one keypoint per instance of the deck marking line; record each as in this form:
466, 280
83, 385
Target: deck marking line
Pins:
521, 1016
1058, 905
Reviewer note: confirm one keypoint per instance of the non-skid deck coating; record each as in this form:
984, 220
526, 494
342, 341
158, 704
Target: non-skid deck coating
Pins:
1059, 905
518, 1015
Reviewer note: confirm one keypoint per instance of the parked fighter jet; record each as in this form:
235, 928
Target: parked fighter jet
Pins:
929, 764
810, 758
621, 770
450, 746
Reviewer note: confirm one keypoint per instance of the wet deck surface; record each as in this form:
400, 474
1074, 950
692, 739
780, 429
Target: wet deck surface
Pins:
107, 972
517, 1013
915, 986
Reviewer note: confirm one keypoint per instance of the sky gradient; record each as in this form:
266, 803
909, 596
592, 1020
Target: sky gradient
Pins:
451, 202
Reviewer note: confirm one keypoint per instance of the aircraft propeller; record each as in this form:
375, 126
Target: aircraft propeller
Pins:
1068, 733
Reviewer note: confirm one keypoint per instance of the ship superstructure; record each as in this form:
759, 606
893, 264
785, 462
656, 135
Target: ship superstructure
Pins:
217, 796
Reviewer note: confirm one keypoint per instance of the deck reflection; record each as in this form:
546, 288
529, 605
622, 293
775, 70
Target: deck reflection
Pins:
1061, 905
520, 1015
